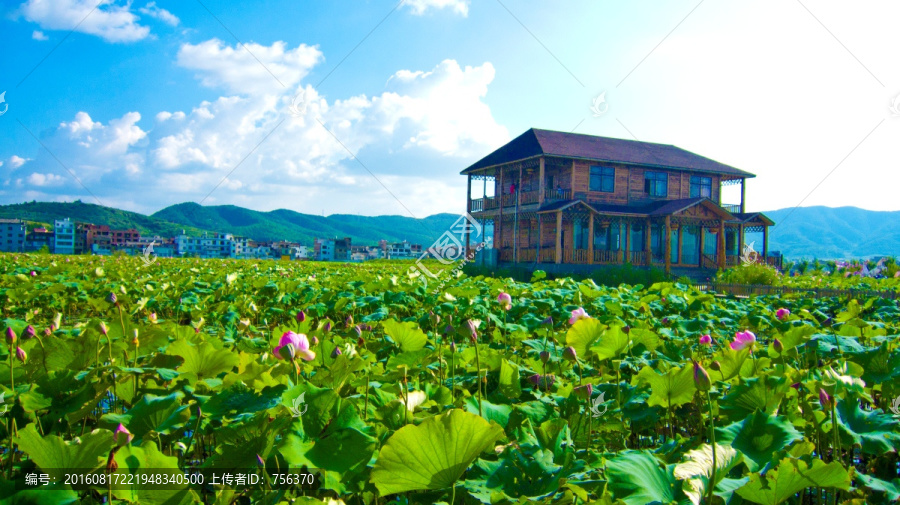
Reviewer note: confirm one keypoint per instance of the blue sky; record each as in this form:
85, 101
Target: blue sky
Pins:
148, 104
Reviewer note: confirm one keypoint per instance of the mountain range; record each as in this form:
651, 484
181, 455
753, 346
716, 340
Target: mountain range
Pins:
803, 232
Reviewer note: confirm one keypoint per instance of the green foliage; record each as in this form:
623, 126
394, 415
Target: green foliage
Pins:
751, 274
398, 405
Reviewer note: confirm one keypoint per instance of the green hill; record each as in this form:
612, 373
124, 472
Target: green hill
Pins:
47, 212
289, 225
834, 232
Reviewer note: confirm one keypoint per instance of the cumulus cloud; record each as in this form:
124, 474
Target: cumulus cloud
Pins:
419, 7
265, 147
16, 162
38, 35
251, 68
159, 13
38, 179
111, 22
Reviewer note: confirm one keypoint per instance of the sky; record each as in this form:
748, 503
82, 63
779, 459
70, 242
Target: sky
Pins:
373, 107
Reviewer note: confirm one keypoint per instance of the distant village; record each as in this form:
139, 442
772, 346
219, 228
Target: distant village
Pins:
70, 237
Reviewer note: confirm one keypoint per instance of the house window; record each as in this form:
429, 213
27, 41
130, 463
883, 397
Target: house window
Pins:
603, 179
656, 184
581, 235
701, 187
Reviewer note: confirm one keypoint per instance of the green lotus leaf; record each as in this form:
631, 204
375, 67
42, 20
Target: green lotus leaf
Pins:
147, 456
759, 437
51, 452
510, 384
584, 334
696, 471
875, 431
434, 454
638, 478
203, 360
670, 389
407, 335
792, 476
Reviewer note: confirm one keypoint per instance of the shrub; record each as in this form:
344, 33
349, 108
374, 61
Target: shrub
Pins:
750, 274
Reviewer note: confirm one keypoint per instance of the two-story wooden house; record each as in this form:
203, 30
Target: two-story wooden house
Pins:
568, 198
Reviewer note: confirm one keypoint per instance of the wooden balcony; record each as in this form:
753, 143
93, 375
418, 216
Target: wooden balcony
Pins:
553, 195
733, 208
509, 200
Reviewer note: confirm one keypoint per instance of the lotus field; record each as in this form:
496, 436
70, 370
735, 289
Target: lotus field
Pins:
382, 389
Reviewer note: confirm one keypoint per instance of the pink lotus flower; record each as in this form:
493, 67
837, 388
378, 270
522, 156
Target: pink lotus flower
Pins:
743, 339
505, 300
705, 340
584, 392
824, 398
781, 314
299, 345
577, 314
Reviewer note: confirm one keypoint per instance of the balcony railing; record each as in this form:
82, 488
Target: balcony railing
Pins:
730, 207
552, 195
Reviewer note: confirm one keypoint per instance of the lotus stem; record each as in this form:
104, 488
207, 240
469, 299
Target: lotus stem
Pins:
712, 441
478, 378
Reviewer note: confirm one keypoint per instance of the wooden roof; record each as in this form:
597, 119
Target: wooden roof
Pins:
535, 142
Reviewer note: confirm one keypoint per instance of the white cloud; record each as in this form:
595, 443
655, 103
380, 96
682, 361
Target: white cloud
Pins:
16, 162
113, 23
238, 71
161, 14
37, 179
419, 7
38, 35
261, 156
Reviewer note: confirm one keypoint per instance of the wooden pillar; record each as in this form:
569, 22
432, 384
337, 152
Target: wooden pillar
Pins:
667, 244
591, 239
765, 251
558, 237
540, 218
743, 195
541, 183
468, 207
627, 242
648, 254
516, 225
572, 182
720, 249
740, 239
620, 245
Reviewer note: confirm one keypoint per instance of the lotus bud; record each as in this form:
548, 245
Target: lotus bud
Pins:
715, 366
20, 355
548, 321
127, 436
259, 461
452, 346
825, 399
626, 329
448, 329
152, 317
288, 352
705, 340
361, 342
782, 314
584, 392
327, 326
301, 316
57, 321
48, 332
778, 346
111, 298
11, 336
504, 300
665, 320
358, 331
28, 333
349, 321
435, 319
134, 340
180, 446
545, 356
103, 329
315, 340
33, 273
336, 352
701, 377
569, 354
245, 323
535, 379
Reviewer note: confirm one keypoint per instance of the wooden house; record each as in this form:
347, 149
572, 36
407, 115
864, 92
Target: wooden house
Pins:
568, 198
